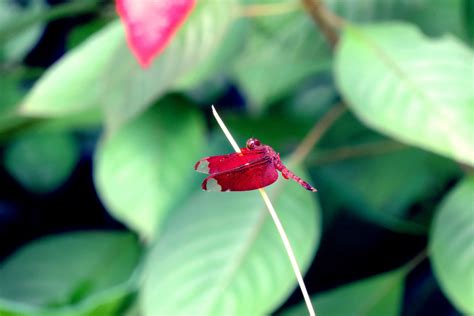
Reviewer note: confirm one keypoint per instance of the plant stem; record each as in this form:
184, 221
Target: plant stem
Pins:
316, 132
276, 220
289, 250
328, 22
255, 10
415, 261
348, 152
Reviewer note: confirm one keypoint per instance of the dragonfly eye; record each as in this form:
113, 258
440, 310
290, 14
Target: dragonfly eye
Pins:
252, 143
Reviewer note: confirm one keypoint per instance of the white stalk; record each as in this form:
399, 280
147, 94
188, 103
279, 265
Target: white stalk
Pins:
276, 220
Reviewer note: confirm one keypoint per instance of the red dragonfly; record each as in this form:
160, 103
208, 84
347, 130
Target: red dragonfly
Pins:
254, 168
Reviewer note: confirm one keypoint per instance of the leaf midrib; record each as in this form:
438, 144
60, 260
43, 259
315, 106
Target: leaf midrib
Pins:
400, 73
226, 280
366, 308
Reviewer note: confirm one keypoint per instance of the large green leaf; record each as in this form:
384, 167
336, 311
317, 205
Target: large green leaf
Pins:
383, 187
419, 12
10, 85
217, 64
278, 53
83, 273
143, 168
451, 246
15, 48
220, 253
468, 19
448, 15
376, 296
419, 92
282, 50
73, 83
102, 71
42, 161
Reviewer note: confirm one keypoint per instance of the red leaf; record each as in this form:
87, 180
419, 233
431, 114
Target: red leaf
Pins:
151, 24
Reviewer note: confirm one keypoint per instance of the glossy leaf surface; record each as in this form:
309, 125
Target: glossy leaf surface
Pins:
419, 92
230, 260
451, 249
82, 273
143, 168
374, 296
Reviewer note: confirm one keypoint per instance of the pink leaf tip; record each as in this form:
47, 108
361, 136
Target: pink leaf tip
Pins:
151, 24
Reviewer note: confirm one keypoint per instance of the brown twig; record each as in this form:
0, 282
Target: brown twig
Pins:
255, 10
328, 22
355, 151
416, 260
316, 132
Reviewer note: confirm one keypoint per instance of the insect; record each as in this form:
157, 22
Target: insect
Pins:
254, 168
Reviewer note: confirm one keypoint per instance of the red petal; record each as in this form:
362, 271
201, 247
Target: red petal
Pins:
151, 24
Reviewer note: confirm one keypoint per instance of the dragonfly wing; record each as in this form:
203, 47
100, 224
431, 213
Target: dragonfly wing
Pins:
217, 164
250, 176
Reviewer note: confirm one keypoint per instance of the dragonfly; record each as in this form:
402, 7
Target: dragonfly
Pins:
253, 168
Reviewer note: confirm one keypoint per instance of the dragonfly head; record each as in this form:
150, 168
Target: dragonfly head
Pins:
253, 143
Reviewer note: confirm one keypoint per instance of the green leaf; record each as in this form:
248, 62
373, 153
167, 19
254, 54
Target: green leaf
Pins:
73, 84
448, 15
10, 84
268, 129
217, 63
419, 12
42, 162
143, 168
375, 296
419, 92
382, 188
15, 48
452, 253
282, 50
468, 19
220, 253
279, 52
102, 71
82, 32
82, 273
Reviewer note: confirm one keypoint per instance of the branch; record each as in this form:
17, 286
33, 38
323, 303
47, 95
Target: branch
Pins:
355, 151
328, 22
316, 133
255, 10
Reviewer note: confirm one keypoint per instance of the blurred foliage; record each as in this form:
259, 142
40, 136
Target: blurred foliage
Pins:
400, 157
377, 295
42, 161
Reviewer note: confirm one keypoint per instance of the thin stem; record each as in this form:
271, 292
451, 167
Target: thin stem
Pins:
355, 151
415, 261
276, 220
316, 133
255, 10
225, 130
289, 250
328, 22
